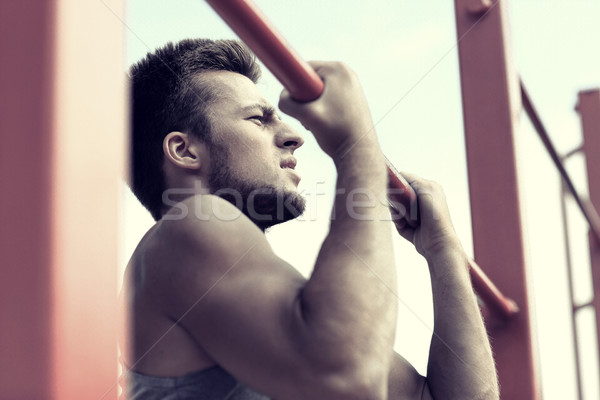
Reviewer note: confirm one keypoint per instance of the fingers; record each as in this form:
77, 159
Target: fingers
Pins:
326, 69
423, 186
288, 105
436, 230
431, 197
322, 69
295, 109
416, 180
341, 114
405, 230
410, 177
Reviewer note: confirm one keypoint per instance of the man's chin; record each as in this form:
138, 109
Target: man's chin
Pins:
267, 206
269, 209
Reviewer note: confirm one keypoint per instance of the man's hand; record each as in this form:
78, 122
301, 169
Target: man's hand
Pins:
340, 117
460, 364
436, 231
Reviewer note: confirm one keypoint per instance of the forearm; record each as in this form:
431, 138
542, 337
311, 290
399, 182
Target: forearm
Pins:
460, 365
347, 308
350, 293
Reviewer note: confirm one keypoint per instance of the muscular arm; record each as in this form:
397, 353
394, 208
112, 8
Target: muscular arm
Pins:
349, 295
460, 364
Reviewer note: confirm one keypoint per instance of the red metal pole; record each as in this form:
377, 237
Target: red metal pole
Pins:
253, 27
589, 109
60, 165
25, 240
402, 196
491, 107
588, 210
498, 305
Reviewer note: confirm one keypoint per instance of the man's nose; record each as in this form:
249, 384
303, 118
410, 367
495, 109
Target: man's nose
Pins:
289, 138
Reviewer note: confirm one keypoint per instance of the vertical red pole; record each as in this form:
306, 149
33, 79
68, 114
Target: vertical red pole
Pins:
491, 108
62, 108
589, 110
25, 242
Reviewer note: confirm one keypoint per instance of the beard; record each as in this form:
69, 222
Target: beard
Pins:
264, 204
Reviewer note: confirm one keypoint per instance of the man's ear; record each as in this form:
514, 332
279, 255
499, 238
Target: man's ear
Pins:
184, 150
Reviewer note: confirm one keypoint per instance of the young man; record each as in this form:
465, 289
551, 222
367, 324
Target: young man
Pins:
214, 313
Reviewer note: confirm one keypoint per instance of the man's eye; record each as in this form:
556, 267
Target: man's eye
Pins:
258, 118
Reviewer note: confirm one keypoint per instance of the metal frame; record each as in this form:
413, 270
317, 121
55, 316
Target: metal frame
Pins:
589, 108
587, 208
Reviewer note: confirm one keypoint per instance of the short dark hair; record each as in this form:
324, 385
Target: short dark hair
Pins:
166, 96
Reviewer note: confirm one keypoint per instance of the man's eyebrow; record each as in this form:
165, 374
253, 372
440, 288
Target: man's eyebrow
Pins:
266, 109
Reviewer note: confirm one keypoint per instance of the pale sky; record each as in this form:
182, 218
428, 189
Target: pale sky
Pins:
405, 55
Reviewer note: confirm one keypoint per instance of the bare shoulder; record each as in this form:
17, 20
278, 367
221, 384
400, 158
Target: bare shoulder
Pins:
202, 235
208, 223
205, 241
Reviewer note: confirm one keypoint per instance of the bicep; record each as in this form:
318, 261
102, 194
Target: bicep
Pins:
241, 304
247, 322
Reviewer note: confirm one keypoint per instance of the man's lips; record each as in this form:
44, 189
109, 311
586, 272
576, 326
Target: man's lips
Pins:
289, 163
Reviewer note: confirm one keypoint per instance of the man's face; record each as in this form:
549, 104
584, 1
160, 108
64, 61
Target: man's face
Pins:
252, 162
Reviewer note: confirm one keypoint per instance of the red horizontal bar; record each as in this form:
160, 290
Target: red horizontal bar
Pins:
298, 77
496, 302
400, 192
253, 27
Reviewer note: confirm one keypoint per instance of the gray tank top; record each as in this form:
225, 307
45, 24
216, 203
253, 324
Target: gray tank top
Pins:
209, 384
